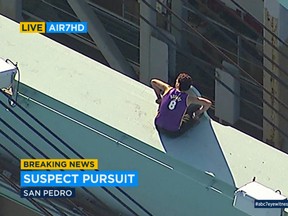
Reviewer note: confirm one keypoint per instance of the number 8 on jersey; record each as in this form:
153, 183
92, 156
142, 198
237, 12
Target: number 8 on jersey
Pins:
172, 104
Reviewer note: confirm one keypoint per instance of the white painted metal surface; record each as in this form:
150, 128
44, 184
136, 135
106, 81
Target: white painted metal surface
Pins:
128, 106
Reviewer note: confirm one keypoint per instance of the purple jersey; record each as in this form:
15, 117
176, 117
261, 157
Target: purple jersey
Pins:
172, 108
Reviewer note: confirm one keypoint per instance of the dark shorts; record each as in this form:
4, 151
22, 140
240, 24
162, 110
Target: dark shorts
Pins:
187, 122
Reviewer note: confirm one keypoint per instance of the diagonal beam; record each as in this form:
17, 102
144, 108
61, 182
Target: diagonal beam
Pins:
11, 9
102, 39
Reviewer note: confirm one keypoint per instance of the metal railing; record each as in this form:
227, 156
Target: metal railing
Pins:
127, 38
124, 32
36, 132
221, 52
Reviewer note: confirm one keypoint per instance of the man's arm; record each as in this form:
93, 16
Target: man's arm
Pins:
205, 104
160, 88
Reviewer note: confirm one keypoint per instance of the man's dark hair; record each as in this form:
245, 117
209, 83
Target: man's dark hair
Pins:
185, 81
